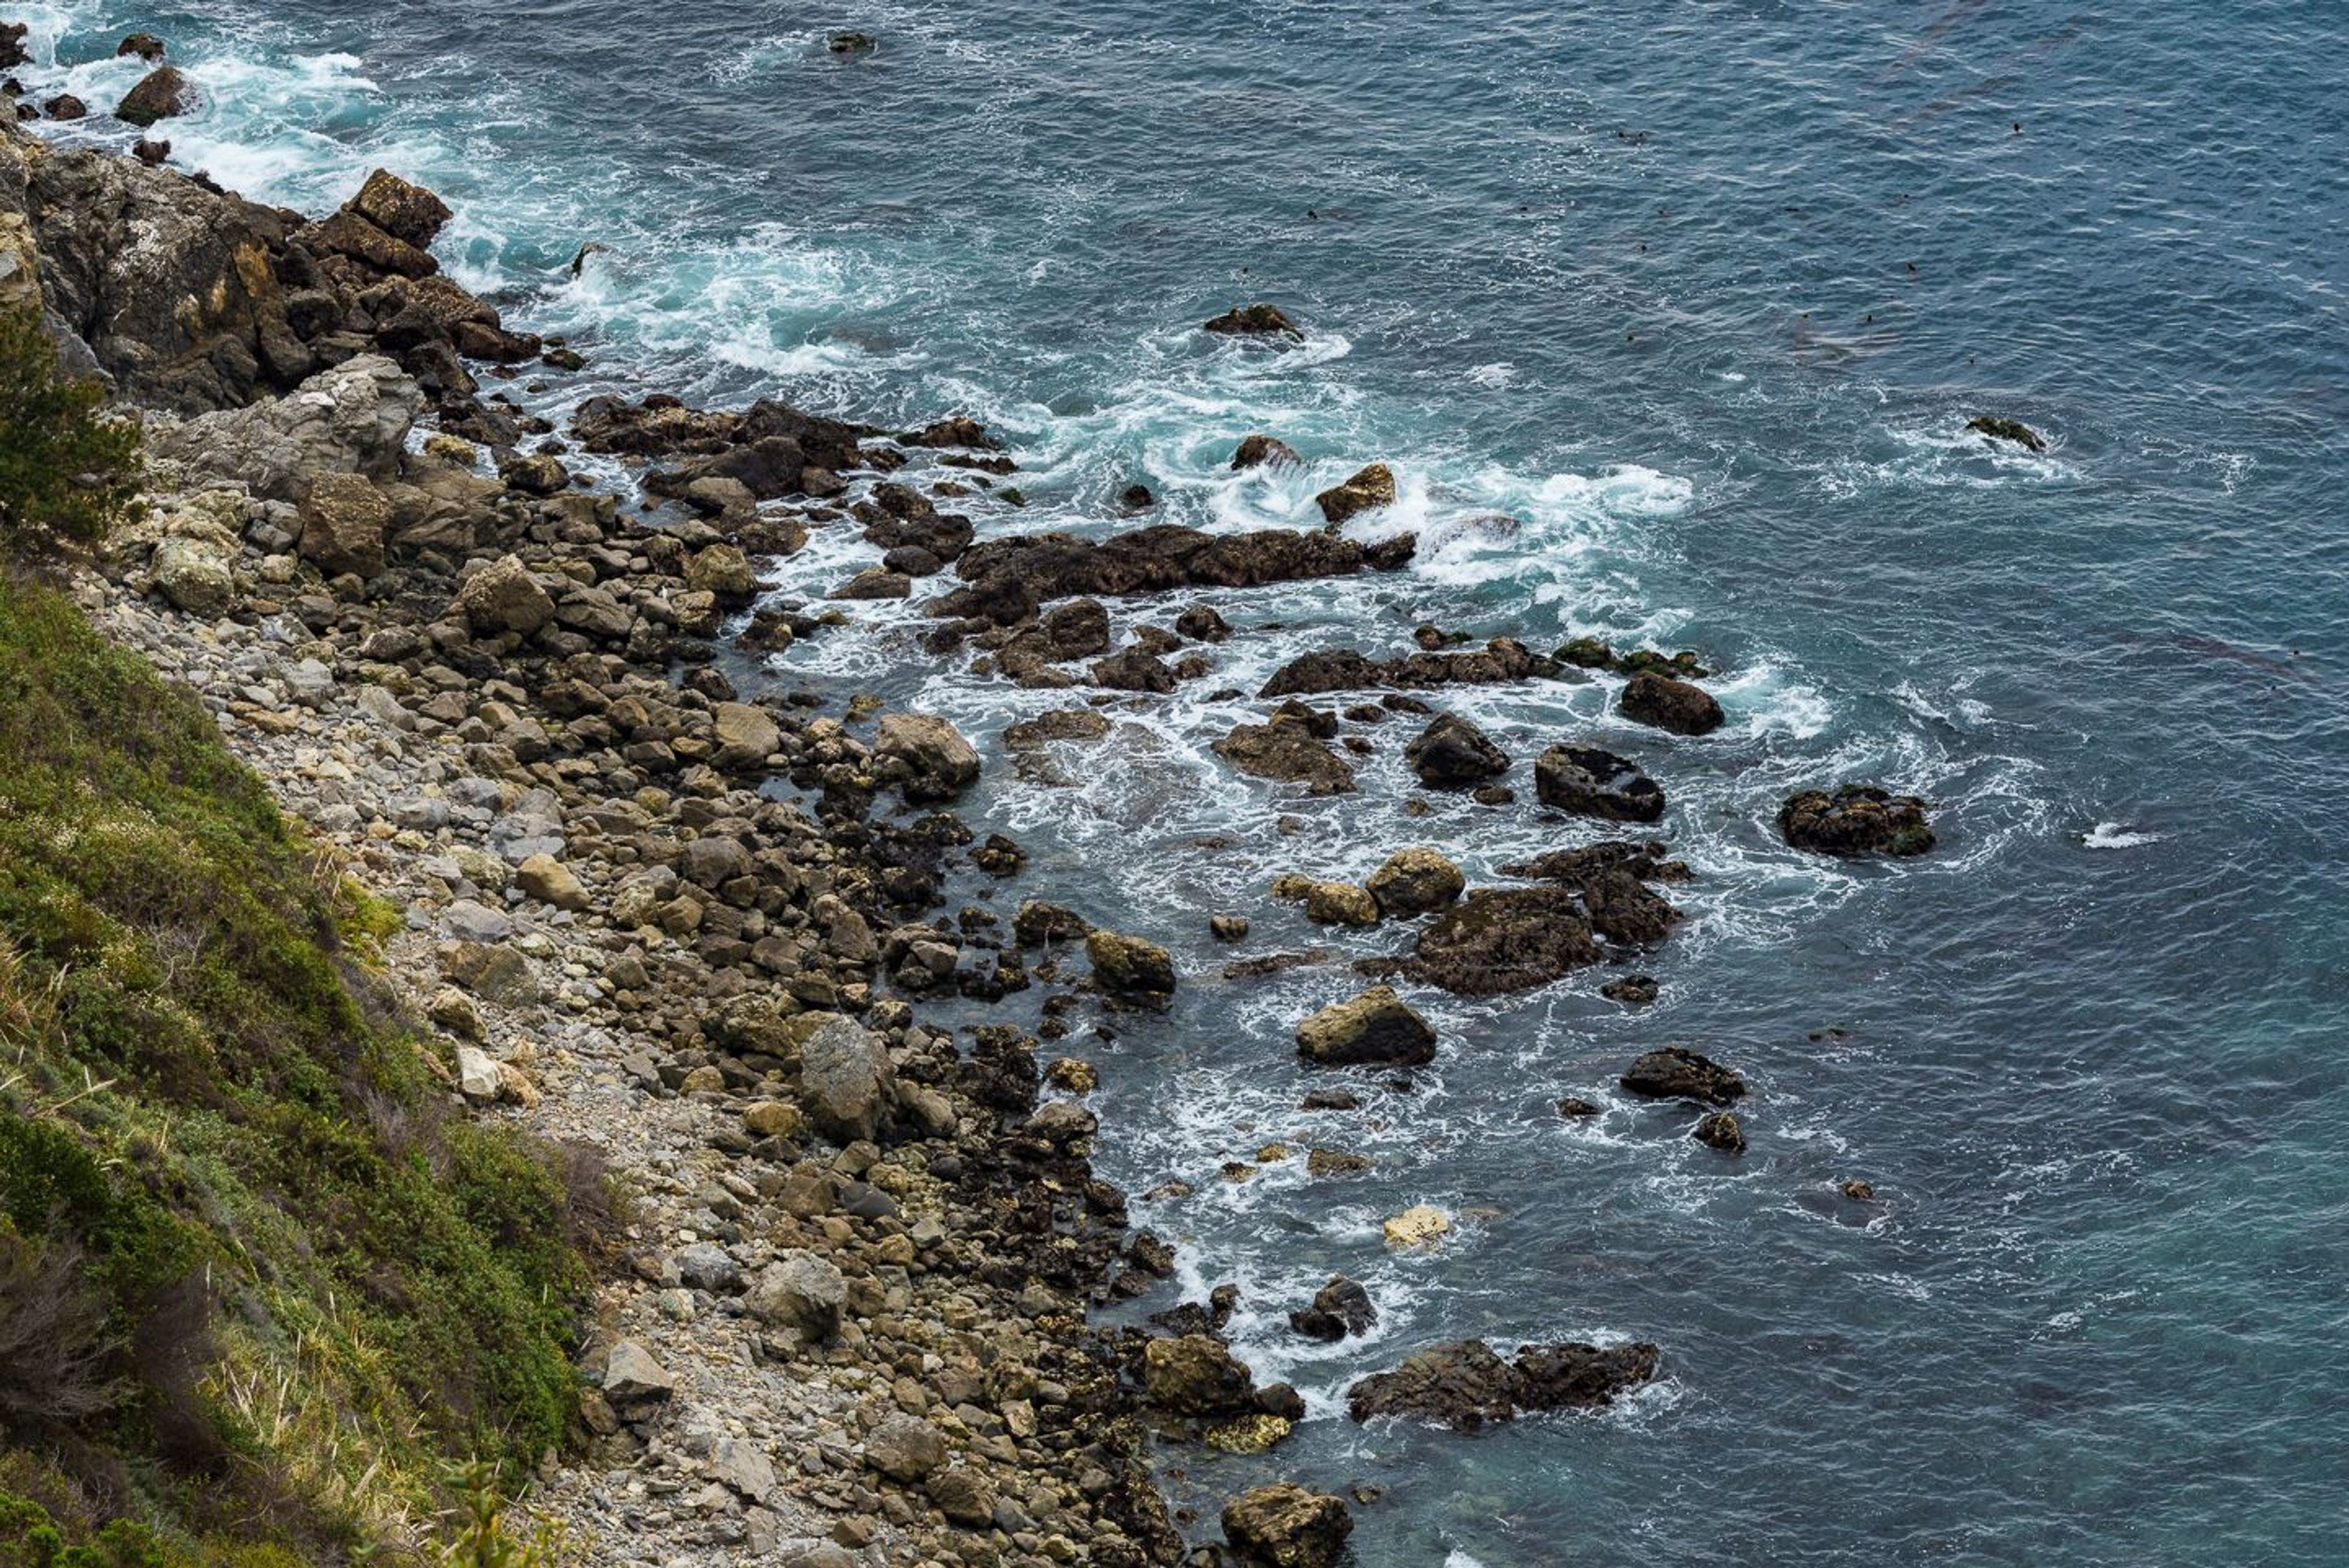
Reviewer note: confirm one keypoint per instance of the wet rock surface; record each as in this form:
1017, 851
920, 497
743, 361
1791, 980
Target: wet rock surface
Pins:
1855, 820
1468, 1385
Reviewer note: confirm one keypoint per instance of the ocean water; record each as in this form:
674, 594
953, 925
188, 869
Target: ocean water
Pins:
1698, 297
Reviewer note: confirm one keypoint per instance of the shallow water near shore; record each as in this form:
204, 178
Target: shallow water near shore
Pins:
1701, 298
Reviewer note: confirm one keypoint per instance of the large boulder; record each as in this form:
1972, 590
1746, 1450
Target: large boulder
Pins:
905, 1448
1453, 753
344, 519
1511, 940
1680, 706
1195, 1374
1620, 910
160, 94
1377, 1026
353, 418
930, 755
1285, 1526
846, 1080
1591, 783
195, 575
1128, 966
1340, 1308
1416, 882
1367, 490
746, 735
1286, 753
1678, 1073
801, 1291
504, 597
1856, 819
1467, 1385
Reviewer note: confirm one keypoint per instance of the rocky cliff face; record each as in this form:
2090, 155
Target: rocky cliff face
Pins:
191, 298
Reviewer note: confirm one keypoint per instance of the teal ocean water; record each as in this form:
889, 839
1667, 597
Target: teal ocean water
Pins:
1698, 297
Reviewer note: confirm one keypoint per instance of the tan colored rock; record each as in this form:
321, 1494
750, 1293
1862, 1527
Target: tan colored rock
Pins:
550, 881
1421, 1225
504, 597
1416, 881
1340, 904
747, 736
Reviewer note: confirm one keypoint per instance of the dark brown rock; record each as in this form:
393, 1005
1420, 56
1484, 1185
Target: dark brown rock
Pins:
1678, 1073
1256, 321
160, 94
1505, 940
1669, 704
1007, 579
1453, 753
1286, 753
1257, 451
1856, 819
1591, 783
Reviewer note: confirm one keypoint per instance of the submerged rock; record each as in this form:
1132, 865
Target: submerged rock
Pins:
1670, 704
1678, 1073
1591, 783
1254, 321
1285, 1526
1467, 1385
1286, 753
1377, 1026
1998, 428
1856, 819
1453, 753
1511, 940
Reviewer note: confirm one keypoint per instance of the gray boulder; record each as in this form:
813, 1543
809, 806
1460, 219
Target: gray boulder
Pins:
846, 1081
353, 418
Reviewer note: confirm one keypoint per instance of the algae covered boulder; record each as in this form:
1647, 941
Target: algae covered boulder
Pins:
1285, 1526
1855, 820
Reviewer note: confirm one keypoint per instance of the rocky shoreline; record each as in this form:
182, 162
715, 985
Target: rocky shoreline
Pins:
698, 931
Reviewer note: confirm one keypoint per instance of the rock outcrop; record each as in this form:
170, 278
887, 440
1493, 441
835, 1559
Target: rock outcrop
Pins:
1005, 580
1467, 1385
1501, 660
1855, 819
1453, 753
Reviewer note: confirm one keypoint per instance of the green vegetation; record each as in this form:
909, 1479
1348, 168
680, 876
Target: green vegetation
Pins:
259, 1281
67, 473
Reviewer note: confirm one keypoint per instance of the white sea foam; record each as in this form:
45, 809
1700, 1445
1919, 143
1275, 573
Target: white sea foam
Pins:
2113, 836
